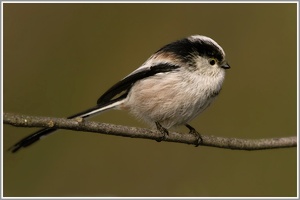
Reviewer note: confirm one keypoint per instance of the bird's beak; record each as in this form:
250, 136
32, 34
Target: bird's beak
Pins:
225, 66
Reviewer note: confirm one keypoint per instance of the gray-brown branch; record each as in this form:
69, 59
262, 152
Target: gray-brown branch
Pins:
133, 132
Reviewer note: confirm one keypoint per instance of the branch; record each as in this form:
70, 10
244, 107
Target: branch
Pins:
78, 124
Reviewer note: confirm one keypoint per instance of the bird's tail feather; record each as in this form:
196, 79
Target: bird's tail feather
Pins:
34, 137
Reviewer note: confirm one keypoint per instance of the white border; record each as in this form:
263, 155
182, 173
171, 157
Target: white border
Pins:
297, 99
217, 1
2, 100
285, 2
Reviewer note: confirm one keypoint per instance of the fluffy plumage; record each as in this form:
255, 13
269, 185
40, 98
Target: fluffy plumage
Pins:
171, 88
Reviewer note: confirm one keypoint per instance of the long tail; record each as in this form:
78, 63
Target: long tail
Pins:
34, 137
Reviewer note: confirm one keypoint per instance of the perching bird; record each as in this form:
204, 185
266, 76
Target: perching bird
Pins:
177, 83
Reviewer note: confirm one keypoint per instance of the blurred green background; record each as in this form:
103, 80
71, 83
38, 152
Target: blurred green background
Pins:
59, 58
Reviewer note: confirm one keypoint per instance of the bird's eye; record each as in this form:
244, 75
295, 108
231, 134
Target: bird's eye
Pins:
212, 61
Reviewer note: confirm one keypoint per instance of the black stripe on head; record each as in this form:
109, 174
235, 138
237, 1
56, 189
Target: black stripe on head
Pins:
120, 90
186, 49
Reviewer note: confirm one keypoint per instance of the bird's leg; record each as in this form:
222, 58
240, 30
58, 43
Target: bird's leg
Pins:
163, 130
193, 131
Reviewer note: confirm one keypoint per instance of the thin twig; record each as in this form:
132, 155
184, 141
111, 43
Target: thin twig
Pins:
125, 131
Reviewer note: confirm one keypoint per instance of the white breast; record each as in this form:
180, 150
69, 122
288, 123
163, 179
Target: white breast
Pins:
172, 98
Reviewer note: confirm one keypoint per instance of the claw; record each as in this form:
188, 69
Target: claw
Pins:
163, 131
193, 131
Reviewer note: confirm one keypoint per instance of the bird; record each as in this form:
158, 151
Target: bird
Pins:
173, 86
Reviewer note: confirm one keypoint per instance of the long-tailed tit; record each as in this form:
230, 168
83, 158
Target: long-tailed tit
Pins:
171, 88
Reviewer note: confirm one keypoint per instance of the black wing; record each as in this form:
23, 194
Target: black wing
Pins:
125, 85
107, 98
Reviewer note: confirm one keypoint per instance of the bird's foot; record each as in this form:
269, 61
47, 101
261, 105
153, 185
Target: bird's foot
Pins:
193, 131
163, 131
